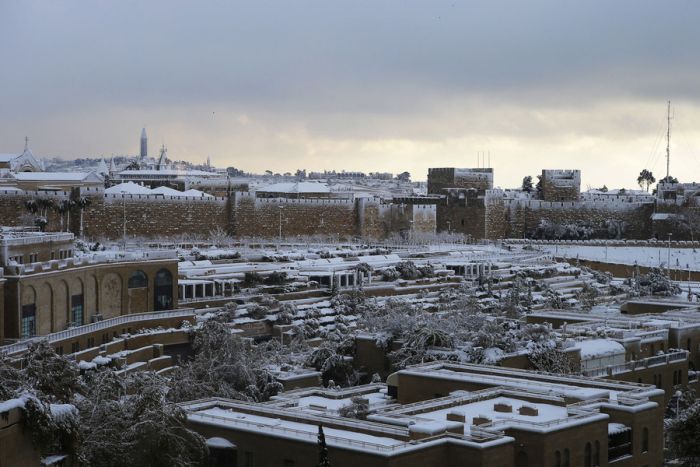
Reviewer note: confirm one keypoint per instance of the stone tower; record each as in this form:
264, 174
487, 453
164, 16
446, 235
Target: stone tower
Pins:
144, 144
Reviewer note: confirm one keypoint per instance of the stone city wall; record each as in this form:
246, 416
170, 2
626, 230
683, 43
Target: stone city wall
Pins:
13, 211
506, 219
263, 217
149, 216
462, 215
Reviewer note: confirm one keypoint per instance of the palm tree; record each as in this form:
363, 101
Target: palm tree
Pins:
31, 206
645, 179
61, 209
64, 207
82, 204
44, 205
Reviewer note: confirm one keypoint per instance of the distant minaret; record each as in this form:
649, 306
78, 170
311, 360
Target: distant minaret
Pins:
144, 144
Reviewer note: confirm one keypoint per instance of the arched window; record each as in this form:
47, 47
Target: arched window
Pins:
28, 319
645, 440
588, 456
557, 459
138, 280
596, 454
163, 290
567, 458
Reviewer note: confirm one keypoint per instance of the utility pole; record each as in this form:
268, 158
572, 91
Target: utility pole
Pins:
280, 233
668, 261
124, 218
668, 141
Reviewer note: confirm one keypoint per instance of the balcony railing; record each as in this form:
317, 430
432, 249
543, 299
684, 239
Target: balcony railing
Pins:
675, 356
89, 328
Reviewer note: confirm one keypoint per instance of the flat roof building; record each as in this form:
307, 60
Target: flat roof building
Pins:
445, 415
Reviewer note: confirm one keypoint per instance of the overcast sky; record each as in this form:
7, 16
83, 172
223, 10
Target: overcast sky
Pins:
359, 85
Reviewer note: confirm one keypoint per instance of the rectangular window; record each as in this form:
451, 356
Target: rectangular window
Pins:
28, 323
75, 347
53, 255
76, 309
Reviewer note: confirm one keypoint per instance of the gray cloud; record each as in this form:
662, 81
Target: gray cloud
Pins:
350, 84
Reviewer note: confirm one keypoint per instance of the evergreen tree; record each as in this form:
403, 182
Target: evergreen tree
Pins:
527, 184
322, 449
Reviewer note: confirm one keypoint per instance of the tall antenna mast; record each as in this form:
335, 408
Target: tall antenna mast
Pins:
668, 141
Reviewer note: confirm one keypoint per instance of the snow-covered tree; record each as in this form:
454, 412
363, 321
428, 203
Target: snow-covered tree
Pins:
552, 360
132, 423
50, 374
587, 296
333, 365
682, 434
224, 365
358, 408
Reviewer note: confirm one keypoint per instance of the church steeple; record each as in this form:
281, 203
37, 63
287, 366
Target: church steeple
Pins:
144, 144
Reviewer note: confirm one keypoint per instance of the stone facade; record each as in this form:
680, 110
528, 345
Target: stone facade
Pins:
262, 217
149, 216
515, 218
54, 295
462, 211
440, 179
561, 185
16, 447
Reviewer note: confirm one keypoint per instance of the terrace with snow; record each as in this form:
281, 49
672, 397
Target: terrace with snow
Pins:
347, 268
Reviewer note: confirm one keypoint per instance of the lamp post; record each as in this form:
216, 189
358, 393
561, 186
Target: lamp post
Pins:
668, 261
124, 218
280, 231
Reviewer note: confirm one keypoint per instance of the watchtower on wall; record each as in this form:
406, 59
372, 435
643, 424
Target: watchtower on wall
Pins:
561, 185
440, 179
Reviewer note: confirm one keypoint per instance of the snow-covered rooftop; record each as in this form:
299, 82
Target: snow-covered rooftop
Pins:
175, 172
55, 176
597, 348
296, 187
130, 188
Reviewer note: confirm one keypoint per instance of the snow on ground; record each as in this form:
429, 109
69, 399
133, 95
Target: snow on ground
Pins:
683, 258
